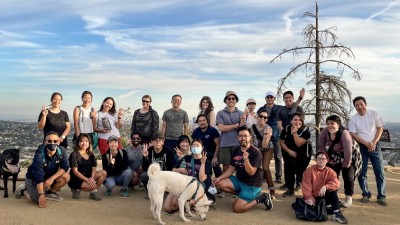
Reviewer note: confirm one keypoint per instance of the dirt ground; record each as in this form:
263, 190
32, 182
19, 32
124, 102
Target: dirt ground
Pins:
135, 210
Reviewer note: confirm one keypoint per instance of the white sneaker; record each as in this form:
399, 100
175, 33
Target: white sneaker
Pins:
347, 202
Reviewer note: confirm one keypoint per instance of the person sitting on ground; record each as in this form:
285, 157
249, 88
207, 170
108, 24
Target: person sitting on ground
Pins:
195, 165
246, 161
115, 163
320, 181
47, 174
84, 176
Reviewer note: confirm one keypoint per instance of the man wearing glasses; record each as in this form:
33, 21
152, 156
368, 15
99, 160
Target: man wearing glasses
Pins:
272, 109
228, 121
247, 184
47, 174
135, 158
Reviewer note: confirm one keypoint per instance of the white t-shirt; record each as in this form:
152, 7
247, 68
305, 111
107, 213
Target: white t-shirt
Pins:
365, 126
113, 120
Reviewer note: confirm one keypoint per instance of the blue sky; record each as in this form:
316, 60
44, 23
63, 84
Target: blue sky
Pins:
128, 48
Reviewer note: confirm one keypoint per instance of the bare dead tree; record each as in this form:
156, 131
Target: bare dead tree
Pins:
330, 94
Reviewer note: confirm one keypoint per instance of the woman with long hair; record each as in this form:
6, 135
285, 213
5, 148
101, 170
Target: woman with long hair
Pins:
261, 135
296, 152
108, 122
207, 108
84, 176
337, 142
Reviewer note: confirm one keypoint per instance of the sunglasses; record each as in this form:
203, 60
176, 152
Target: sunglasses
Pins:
144, 101
231, 99
52, 141
136, 139
270, 96
263, 117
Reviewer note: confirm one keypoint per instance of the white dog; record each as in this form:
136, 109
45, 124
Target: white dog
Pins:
186, 187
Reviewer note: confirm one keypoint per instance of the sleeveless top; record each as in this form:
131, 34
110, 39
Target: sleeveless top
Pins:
84, 121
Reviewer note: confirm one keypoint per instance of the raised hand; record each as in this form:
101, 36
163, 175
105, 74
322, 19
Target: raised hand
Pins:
302, 92
44, 111
145, 151
120, 112
112, 159
178, 152
203, 157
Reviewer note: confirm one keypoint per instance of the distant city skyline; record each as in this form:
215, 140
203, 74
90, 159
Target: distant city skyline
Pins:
129, 48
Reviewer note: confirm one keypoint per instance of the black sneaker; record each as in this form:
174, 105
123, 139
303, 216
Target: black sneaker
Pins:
338, 217
268, 202
288, 193
261, 198
278, 180
283, 187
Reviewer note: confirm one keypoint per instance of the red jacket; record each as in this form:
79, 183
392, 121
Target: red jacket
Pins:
314, 179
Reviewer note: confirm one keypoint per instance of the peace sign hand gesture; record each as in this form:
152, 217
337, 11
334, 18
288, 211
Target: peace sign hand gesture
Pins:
203, 157
178, 152
44, 111
145, 151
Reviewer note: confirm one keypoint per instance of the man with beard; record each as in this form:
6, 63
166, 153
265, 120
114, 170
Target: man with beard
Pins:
210, 138
246, 162
47, 174
135, 158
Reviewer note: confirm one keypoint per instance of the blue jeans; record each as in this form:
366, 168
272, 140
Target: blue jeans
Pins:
123, 179
377, 165
277, 152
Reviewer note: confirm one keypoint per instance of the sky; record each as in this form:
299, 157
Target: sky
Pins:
128, 48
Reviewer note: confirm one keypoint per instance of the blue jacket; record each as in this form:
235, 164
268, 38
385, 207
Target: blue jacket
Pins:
41, 169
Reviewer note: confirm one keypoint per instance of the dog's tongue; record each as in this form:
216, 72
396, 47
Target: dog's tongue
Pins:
13, 168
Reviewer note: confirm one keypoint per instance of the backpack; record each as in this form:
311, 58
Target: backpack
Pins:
42, 150
356, 159
120, 152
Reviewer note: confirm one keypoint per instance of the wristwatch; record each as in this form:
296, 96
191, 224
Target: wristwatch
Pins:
63, 137
41, 193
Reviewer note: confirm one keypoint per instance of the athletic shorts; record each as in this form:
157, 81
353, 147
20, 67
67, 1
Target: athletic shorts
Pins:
244, 191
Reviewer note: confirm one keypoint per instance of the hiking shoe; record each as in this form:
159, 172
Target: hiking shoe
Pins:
222, 195
382, 201
95, 196
53, 196
268, 202
283, 187
338, 217
108, 193
365, 199
76, 193
19, 192
288, 193
298, 186
347, 202
124, 193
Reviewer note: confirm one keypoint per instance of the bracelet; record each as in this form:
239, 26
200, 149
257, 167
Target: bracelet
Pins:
41, 193
119, 118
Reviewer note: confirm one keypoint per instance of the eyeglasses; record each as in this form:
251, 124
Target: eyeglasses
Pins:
263, 117
52, 141
144, 101
243, 136
270, 96
136, 139
321, 158
231, 99
251, 103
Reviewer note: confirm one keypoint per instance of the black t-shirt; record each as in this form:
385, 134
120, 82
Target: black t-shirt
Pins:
192, 166
255, 159
287, 136
166, 159
56, 122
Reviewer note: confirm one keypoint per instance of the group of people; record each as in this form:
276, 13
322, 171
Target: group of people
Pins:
244, 142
